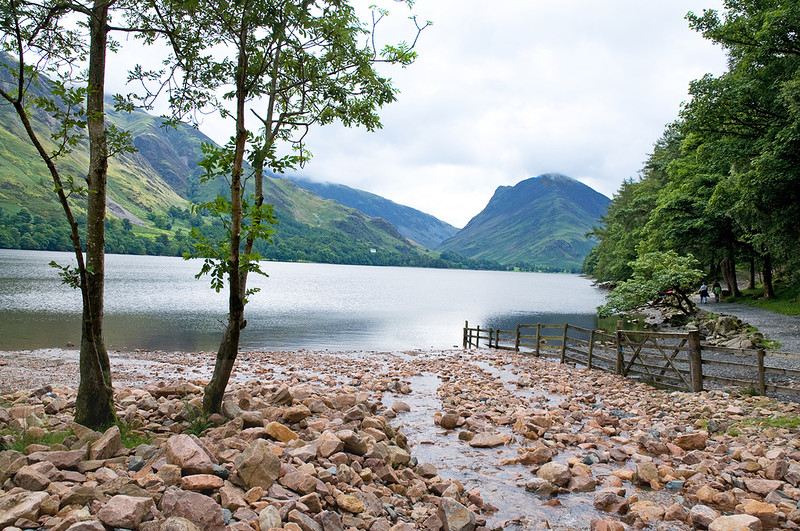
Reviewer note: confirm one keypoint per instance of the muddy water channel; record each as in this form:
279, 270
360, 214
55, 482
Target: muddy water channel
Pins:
495, 471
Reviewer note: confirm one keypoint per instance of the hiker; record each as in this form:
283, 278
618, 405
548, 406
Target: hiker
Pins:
704, 293
717, 290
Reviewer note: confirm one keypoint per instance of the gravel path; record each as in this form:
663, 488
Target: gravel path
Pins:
784, 329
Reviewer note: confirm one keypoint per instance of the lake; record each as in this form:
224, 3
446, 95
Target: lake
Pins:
155, 303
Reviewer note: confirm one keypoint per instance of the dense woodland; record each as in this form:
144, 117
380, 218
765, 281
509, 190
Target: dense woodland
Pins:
722, 184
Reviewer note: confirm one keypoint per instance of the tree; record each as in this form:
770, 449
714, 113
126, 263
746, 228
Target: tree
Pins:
625, 225
40, 37
750, 117
666, 275
294, 65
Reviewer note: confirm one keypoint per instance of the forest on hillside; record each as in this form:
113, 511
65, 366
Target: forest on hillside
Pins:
722, 185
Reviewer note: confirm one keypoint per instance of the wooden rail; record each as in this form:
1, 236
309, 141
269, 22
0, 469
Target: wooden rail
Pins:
671, 360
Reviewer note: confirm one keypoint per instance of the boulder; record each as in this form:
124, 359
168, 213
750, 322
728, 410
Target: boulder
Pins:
29, 478
269, 517
124, 511
198, 508
487, 440
350, 503
737, 522
279, 432
702, 515
14, 506
61, 459
107, 445
256, 466
692, 441
555, 473
296, 414
454, 516
183, 451
176, 523
449, 420
201, 482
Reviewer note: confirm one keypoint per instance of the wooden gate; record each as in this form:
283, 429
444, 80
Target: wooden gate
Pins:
664, 359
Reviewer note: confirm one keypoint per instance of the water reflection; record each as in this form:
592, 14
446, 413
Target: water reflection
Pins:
156, 303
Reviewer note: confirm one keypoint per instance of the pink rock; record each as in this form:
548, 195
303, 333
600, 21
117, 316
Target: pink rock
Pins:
762, 486
737, 522
107, 445
187, 454
201, 482
60, 459
608, 524
20, 505
29, 478
692, 441
702, 515
198, 508
124, 511
257, 466
299, 482
487, 440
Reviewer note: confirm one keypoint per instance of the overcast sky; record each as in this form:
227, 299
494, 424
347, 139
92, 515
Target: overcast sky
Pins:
511, 89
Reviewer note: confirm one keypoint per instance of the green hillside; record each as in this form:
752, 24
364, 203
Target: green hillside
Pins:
411, 223
150, 194
540, 223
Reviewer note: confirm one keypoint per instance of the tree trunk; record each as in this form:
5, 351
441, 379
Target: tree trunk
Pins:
229, 346
729, 273
766, 273
752, 283
226, 358
94, 405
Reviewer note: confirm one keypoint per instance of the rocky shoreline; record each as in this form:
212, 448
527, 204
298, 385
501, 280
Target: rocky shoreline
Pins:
321, 441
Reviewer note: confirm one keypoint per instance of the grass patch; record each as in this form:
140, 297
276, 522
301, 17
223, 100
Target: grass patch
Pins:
786, 302
132, 437
788, 422
28, 437
198, 420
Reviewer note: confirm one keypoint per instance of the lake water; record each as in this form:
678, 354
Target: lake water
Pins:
156, 303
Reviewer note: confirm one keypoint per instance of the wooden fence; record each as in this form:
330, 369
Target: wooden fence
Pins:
672, 360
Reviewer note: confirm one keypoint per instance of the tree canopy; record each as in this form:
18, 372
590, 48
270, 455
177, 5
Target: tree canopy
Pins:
723, 183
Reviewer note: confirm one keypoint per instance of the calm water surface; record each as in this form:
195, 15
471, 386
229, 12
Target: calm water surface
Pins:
156, 303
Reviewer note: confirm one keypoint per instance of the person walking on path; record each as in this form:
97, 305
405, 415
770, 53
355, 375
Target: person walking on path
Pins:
704, 293
717, 290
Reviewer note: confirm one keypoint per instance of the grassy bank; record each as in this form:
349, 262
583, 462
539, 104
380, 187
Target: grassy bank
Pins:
786, 301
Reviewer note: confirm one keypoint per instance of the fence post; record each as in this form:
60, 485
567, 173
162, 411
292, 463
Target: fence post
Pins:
478, 336
762, 384
591, 350
491, 335
516, 340
538, 333
618, 334
695, 361
564, 345
464, 339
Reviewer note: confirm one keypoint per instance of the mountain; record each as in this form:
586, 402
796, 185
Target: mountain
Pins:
150, 194
541, 222
413, 224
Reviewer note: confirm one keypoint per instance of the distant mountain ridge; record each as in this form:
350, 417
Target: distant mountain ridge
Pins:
153, 189
415, 225
541, 221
